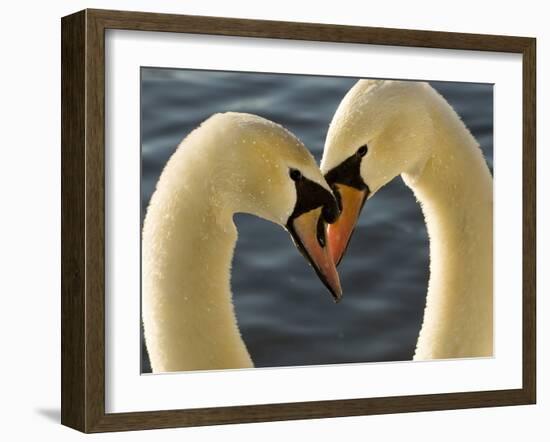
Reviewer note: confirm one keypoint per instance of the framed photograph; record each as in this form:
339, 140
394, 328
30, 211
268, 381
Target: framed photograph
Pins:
270, 220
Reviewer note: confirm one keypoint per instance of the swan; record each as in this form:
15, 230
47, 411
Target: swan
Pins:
231, 163
382, 129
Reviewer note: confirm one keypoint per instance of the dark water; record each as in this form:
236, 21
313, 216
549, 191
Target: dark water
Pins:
285, 314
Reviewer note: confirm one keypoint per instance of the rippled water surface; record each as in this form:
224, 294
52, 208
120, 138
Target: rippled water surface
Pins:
285, 314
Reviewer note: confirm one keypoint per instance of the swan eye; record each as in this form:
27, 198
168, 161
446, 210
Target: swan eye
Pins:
362, 151
295, 174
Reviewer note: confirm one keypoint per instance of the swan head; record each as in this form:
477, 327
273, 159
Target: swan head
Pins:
378, 132
266, 171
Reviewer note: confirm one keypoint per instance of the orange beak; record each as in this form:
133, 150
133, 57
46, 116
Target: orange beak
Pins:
339, 233
310, 235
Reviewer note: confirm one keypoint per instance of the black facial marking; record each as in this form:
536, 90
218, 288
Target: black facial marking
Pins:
295, 174
362, 151
309, 196
348, 172
321, 239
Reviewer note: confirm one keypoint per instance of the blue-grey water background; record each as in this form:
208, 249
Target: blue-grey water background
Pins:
286, 316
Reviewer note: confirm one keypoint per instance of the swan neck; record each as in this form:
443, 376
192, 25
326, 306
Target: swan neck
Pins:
456, 195
188, 245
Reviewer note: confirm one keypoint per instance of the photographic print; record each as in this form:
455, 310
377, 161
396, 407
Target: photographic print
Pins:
250, 204
296, 220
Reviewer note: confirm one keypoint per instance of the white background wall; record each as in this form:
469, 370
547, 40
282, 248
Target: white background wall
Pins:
30, 216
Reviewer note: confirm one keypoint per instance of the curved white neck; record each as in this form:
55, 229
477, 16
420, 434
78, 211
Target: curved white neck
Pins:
188, 245
456, 194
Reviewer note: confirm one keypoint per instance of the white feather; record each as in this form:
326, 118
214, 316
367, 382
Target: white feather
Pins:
231, 163
412, 131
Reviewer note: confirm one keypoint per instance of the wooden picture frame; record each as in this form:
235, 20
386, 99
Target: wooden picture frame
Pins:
83, 220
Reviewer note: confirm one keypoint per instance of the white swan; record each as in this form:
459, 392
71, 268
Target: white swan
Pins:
232, 163
382, 129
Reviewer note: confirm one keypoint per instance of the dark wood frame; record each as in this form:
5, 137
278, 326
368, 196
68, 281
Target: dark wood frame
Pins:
83, 216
